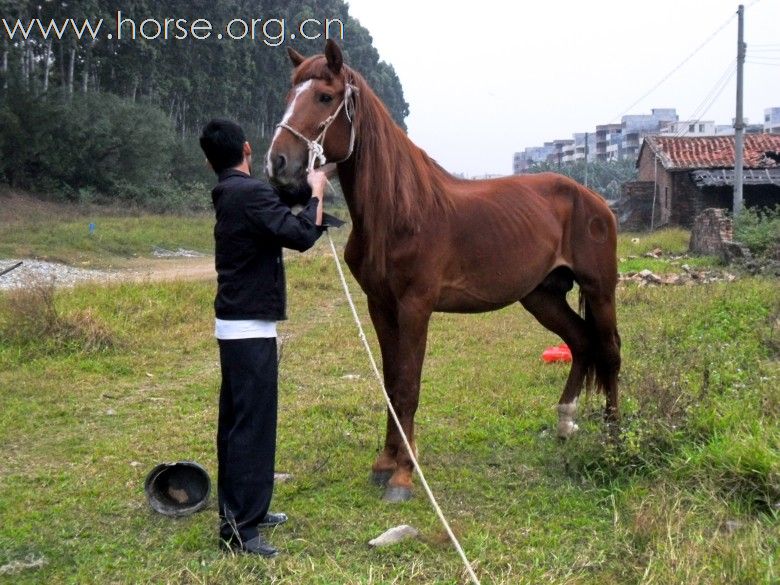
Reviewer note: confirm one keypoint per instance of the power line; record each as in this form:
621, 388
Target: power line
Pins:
711, 96
680, 65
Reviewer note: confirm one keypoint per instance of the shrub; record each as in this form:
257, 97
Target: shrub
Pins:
94, 143
759, 229
29, 316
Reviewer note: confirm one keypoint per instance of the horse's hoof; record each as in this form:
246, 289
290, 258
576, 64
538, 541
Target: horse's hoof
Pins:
381, 478
396, 493
566, 425
566, 429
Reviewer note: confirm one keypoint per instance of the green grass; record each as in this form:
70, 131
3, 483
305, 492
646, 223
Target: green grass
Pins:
119, 378
673, 243
688, 494
59, 232
114, 238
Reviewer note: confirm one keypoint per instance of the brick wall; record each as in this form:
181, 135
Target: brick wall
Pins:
687, 201
712, 229
635, 205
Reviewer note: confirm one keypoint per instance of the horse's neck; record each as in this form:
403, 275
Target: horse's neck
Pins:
346, 172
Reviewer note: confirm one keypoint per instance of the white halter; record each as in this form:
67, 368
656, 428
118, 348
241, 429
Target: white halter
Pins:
316, 149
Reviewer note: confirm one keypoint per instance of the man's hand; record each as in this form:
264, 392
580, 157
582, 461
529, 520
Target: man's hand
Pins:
317, 181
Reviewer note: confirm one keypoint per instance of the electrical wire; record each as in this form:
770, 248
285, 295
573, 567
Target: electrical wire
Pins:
762, 64
680, 65
709, 99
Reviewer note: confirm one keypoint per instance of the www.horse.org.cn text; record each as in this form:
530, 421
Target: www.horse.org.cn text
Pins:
271, 32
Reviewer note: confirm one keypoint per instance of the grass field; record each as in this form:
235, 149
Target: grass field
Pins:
99, 384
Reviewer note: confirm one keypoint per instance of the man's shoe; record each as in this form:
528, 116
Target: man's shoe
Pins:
273, 519
254, 546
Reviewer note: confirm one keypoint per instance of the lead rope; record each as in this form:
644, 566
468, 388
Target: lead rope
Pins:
417, 467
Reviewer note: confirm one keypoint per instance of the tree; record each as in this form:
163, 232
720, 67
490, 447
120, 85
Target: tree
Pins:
61, 98
604, 177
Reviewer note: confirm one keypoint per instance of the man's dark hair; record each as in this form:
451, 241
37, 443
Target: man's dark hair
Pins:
223, 143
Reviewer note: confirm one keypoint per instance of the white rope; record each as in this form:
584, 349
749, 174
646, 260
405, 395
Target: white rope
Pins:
417, 468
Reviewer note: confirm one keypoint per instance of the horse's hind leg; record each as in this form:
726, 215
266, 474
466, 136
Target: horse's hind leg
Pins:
601, 319
548, 304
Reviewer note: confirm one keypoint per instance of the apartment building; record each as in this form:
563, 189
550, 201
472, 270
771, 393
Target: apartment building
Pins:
772, 120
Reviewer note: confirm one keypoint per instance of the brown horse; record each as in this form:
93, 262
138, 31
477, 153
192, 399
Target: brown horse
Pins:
424, 241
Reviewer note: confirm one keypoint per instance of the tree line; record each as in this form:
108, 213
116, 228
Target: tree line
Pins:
119, 117
604, 177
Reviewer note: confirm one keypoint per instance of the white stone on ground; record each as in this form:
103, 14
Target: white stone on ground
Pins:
394, 535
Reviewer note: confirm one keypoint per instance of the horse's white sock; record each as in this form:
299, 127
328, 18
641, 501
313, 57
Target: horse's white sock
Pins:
566, 425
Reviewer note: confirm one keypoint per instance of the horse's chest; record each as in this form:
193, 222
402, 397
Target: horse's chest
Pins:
357, 261
360, 266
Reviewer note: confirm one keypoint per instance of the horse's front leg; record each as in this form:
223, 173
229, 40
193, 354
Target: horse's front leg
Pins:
413, 318
383, 317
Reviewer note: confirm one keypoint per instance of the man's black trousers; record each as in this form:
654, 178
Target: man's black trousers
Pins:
246, 434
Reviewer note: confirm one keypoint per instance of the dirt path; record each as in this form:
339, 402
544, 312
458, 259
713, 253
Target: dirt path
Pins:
167, 269
138, 270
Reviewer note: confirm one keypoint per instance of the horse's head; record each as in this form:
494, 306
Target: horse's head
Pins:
318, 124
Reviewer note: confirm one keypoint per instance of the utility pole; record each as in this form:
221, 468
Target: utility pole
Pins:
739, 124
586, 159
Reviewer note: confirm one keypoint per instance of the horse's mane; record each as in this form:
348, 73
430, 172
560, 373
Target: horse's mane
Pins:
397, 185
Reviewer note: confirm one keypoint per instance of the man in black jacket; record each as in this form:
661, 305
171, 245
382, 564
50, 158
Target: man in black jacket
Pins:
253, 225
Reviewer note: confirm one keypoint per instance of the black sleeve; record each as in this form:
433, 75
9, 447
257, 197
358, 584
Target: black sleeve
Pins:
273, 218
298, 196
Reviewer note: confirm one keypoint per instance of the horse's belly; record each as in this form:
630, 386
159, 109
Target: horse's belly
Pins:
462, 298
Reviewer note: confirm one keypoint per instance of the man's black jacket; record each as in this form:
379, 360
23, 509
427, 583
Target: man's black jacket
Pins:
253, 225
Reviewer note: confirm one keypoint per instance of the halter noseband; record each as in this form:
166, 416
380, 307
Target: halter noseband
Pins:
316, 148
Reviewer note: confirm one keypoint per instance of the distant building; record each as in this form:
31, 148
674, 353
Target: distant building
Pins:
606, 136
559, 146
689, 128
531, 155
622, 141
608, 142
486, 176
772, 120
728, 129
636, 127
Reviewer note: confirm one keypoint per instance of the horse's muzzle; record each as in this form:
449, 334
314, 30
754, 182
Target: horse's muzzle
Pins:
285, 172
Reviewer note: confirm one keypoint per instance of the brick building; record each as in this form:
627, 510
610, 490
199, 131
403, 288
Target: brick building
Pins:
680, 176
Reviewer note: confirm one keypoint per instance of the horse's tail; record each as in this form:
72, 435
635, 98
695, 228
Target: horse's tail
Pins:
595, 225
595, 374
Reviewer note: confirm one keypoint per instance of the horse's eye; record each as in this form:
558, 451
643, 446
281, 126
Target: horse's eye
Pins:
325, 98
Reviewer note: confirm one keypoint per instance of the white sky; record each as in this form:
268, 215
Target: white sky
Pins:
487, 78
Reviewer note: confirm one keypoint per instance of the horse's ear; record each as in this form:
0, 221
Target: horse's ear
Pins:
295, 56
334, 56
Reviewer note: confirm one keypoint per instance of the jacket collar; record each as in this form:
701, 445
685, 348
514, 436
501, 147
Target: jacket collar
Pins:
227, 173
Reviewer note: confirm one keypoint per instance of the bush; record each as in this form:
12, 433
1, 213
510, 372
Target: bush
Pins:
759, 229
87, 145
29, 316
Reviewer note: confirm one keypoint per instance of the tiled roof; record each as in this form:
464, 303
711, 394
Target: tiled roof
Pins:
713, 152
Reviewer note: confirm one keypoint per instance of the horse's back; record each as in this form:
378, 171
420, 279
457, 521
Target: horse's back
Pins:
538, 222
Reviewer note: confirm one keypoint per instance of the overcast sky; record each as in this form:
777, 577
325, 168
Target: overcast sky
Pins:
486, 78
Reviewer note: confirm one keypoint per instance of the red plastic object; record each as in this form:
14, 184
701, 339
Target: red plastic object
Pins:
558, 353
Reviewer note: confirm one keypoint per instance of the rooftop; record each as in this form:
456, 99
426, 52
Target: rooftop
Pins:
762, 151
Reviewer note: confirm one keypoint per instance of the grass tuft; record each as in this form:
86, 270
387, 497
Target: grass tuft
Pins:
30, 317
